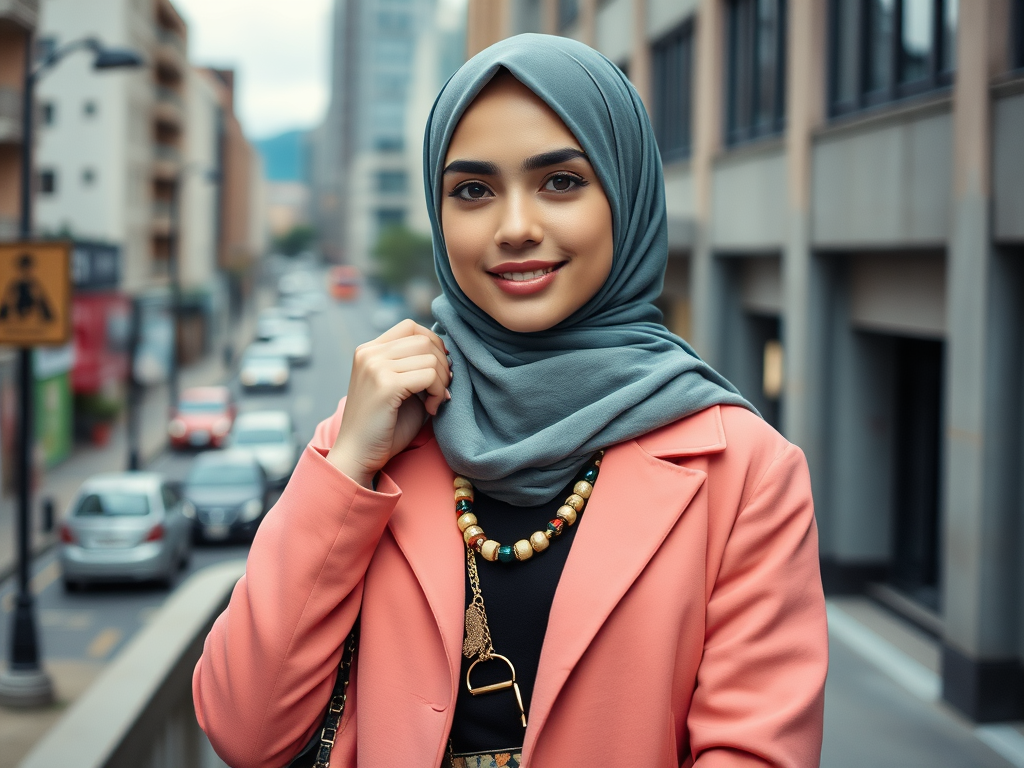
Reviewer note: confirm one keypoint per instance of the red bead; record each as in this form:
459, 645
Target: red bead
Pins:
556, 526
477, 541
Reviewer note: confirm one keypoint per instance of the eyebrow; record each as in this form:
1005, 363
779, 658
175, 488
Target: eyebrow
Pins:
484, 168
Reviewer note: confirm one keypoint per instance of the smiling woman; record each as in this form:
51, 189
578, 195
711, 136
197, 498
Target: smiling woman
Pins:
647, 589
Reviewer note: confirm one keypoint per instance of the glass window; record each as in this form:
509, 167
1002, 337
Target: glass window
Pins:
48, 182
391, 181
113, 504
1018, 34
224, 474
390, 217
883, 50
259, 436
756, 69
672, 65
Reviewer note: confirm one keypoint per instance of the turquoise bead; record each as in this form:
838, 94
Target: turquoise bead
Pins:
463, 505
590, 475
506, 553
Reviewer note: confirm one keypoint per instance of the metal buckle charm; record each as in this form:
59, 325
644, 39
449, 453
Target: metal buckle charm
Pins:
497, 686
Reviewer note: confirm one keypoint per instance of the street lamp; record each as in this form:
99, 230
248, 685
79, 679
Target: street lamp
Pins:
25, 683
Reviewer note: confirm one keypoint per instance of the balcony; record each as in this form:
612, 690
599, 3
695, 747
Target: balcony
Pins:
170, 54
10, 115
166, 162
169, 107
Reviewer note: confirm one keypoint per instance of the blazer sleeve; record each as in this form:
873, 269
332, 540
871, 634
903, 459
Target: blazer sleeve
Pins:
270, 660
759, 698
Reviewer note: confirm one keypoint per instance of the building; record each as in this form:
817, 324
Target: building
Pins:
361, 173
845, 191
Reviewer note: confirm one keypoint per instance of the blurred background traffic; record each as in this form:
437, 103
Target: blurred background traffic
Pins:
845, 211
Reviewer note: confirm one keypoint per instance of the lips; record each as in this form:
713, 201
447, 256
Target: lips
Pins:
524, 277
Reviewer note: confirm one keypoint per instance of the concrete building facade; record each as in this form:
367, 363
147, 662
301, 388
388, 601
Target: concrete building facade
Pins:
845, 191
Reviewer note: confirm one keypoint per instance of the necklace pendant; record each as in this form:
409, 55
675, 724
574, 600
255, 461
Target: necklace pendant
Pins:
475, 642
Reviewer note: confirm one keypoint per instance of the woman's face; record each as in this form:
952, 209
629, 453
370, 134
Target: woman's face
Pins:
526, 222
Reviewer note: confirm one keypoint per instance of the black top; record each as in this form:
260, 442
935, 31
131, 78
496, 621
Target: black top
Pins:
517, 599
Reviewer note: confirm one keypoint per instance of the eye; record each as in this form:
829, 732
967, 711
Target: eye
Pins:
564, 182
470, 190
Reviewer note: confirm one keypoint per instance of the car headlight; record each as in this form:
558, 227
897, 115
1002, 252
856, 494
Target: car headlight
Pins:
281, 377
252, 509
188, 509
177, 428
248, 378
221, 427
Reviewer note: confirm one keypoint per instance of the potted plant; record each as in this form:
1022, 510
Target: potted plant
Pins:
96, 413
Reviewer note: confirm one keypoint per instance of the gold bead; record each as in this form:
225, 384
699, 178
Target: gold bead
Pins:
467, 520
470, 532
489, 550
523, 549
461, 482
463, 493
567, 513
576, 502
597, 462
583, 488
539, 541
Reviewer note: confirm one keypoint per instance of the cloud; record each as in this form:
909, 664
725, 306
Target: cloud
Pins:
281, 52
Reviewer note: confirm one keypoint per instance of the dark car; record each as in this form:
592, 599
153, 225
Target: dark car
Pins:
225, 495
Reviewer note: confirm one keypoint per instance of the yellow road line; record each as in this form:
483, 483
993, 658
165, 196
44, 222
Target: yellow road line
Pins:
37, 584
103, 643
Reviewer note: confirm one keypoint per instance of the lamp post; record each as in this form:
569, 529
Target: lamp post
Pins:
25, 683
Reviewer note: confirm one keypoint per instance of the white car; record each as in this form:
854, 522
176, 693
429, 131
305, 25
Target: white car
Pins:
264, 366
270, 438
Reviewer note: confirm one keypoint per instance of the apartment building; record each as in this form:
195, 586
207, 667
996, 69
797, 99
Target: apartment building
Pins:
845, 191
18, 19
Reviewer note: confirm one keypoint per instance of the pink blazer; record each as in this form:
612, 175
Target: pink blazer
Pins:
688, 628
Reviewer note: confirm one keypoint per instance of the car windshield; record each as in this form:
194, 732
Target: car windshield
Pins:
200, 406
258, 436
223, 474
261, 353
113, 504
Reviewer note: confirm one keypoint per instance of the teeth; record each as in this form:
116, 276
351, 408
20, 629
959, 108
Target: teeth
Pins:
520, 276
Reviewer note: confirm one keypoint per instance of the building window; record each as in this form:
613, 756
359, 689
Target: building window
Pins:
391, 181
390, 217
88, 176
89, 108
48, 182
48, 113
756, 69
568, 10
672, 65
884, 50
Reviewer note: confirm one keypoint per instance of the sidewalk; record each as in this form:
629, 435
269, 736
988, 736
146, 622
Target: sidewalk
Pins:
61, 482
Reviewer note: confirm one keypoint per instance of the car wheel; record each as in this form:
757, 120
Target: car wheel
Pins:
71, 585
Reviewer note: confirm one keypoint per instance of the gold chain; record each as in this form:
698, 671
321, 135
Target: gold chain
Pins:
478, 633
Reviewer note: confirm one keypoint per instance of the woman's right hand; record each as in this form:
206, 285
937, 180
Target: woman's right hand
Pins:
397, 380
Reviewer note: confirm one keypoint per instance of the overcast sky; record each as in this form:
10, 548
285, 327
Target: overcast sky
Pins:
280, 51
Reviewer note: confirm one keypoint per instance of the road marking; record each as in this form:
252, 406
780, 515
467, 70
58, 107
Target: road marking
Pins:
37, 584
103, 643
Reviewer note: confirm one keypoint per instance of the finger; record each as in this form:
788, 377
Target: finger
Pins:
410, 346
415, 362
410, 328
424, 380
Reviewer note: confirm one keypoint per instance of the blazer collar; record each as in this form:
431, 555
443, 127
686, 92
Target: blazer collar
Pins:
595, 577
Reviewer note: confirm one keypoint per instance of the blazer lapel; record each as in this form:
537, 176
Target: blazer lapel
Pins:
637, 500
423, 524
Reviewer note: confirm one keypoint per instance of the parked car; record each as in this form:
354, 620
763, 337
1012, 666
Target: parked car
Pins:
264, 367
203, 417
269, 437
344, 281
293, 340
225, 496
124, 526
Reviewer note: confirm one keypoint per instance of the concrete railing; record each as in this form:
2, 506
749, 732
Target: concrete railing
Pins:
138, 713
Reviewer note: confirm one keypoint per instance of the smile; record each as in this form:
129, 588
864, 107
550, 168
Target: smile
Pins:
525, 277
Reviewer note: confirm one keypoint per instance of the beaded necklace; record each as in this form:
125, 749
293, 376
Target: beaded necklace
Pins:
478, 634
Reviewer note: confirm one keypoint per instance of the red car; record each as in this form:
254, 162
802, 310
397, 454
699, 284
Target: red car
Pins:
203, 418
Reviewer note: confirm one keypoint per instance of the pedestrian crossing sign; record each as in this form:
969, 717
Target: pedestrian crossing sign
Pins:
35, 294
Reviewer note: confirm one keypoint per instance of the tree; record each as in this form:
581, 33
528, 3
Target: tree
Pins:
402, 255
296, 240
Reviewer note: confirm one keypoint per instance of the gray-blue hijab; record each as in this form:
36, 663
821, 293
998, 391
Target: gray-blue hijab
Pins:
528, 409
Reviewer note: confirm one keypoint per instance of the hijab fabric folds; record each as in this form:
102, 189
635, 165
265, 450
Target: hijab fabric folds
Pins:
528, 409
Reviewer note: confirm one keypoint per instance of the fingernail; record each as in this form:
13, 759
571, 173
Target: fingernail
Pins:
447, 395
445, 349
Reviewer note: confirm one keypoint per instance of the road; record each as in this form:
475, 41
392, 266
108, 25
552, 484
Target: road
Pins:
91, 626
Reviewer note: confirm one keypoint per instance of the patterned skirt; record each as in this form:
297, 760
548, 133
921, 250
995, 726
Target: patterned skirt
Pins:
508, 759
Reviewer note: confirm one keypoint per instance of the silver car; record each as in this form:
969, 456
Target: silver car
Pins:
124, 526
264, 366
269, 437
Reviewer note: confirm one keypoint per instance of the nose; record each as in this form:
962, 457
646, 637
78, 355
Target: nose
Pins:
519, 225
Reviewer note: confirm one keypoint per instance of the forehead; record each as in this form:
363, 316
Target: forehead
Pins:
508, 119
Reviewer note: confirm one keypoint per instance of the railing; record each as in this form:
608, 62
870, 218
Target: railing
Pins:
10, 114
138, 713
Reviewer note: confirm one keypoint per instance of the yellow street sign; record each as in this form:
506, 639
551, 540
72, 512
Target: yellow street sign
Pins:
35, 293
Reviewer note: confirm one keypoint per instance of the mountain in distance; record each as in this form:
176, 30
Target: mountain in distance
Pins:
284, 156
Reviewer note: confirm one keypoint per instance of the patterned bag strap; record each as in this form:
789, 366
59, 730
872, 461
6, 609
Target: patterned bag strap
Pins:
336, 707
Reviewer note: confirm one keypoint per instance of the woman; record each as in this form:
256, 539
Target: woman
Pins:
668, 613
